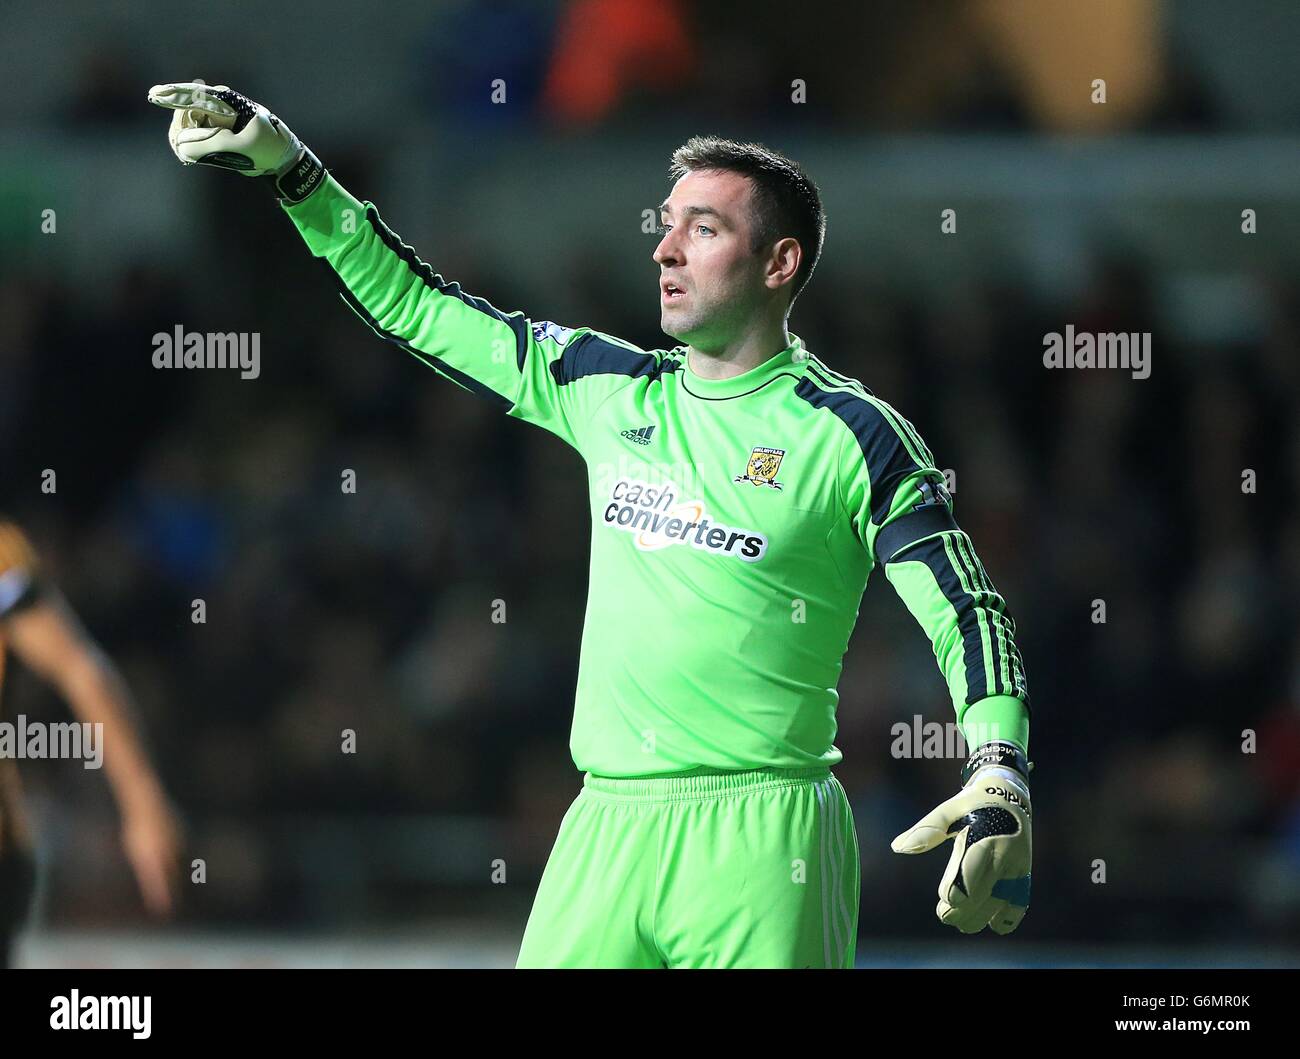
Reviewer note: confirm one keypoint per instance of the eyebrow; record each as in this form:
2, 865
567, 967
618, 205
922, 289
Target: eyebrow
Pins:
693, 211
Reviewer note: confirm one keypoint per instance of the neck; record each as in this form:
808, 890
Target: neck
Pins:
764, 340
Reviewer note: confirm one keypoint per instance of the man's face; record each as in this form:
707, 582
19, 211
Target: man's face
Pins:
710, 282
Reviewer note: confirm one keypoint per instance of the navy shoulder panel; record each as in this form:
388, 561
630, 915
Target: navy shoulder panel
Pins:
887, 458
596, 354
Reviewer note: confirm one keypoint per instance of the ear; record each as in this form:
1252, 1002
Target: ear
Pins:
783, 262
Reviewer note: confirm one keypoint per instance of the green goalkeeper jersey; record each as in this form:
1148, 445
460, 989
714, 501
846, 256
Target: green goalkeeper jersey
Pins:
734, 522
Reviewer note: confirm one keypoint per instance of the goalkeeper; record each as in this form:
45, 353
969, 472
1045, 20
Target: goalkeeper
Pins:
710, 830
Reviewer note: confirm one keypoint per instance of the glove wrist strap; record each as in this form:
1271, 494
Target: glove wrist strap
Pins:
300, 179
1002, 754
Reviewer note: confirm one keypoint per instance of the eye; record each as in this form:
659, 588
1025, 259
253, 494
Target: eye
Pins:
664, 229
704, 228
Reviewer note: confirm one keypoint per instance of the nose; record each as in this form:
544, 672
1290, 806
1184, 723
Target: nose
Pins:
668, 252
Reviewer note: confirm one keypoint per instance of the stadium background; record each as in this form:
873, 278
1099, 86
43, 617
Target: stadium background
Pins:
328, 611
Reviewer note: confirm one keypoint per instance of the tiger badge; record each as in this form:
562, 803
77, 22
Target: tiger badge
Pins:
763, 465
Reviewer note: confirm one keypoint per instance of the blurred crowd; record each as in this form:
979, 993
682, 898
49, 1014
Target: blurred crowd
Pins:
1167, 738
373, 611
956, 65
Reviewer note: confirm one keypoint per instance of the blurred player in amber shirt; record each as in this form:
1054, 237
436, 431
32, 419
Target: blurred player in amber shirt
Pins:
39, 629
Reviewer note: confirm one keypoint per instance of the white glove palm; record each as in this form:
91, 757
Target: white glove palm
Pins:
988, 878
215, 125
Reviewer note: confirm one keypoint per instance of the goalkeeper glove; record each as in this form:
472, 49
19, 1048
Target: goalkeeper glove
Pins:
987, 879
215, 125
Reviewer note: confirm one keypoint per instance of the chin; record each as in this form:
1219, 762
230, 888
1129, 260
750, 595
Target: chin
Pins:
675, 327
672, 328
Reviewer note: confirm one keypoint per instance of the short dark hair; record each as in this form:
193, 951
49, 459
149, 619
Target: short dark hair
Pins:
785, 200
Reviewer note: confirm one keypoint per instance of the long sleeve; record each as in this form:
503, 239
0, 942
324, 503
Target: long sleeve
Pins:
904, 516
535, 370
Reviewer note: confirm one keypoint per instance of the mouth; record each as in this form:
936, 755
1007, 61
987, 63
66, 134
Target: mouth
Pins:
670, 292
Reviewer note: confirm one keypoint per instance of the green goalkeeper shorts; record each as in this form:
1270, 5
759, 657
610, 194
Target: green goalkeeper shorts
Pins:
701, 869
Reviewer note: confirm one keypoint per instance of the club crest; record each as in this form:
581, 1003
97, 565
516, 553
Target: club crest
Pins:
763, 465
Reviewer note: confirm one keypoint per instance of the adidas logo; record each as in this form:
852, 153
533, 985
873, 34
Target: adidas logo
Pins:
641, 435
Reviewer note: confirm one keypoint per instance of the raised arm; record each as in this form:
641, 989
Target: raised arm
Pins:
535, 370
